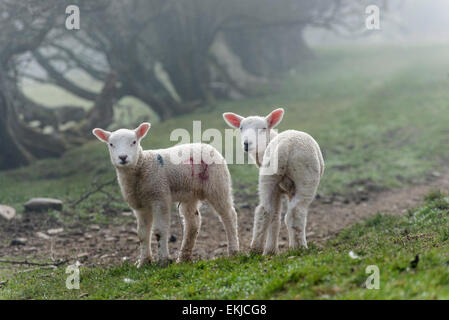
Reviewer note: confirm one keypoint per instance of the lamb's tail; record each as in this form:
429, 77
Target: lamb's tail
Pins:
320, 157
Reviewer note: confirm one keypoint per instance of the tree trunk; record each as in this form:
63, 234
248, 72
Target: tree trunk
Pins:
20, 144
102, 114
269, 51
12, 155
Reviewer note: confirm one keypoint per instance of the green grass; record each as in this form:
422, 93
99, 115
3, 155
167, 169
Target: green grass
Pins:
390, 243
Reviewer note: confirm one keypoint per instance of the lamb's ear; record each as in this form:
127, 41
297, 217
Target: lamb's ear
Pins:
101, 134
232, 119
142, 130
275, 117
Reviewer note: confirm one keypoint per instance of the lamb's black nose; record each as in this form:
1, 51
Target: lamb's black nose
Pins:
245, 146
123, 158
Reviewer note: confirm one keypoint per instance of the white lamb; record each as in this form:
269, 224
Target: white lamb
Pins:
290, 163
150, 182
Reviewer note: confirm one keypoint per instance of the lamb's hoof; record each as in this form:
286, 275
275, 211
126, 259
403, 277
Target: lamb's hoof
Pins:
233, 253
183, 259
299, 246
142, 262
270, 252
256, 250
164, 262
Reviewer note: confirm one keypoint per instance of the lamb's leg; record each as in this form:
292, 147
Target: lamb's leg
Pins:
225, 209
268, 209
296, 221
192, 223
144, 222
306, 180
161, 229
271, 246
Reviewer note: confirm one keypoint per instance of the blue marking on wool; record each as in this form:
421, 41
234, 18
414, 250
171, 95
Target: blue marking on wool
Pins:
160, 160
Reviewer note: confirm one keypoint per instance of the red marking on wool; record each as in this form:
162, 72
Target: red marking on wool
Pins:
193, 169
203, 175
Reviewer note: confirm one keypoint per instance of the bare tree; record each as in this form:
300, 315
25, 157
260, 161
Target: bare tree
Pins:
159, 51
24, 25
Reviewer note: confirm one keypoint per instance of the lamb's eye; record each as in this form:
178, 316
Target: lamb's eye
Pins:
134, 142
111, 144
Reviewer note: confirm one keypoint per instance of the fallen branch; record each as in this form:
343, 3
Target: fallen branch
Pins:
30, 263
93, 188
111, 198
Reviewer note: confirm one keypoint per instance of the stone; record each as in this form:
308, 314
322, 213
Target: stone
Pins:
76, 233
7, 212
43, 205
245, 205
310, 234
42, 235
29, 249
83, 256
55, 231
19, 242
95, 227
436, 174
127, 280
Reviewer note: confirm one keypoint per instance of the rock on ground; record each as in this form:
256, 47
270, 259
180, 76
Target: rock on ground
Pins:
7, 212
43, 205
54, 231
19, 242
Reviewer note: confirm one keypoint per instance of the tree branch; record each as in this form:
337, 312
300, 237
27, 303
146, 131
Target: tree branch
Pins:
62, 81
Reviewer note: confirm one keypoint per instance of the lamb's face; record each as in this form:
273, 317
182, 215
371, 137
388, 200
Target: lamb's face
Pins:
124, 145
255, 134
123, 148
255, 131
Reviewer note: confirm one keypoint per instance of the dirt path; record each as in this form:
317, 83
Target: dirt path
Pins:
111, 244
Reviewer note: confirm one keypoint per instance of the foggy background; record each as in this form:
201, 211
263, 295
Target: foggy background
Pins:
404, 21
155, 60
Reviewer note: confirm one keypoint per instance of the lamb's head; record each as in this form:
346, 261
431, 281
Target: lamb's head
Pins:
124, 145
255, 130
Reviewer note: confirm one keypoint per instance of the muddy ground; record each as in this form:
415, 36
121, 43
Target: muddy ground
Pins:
111, 244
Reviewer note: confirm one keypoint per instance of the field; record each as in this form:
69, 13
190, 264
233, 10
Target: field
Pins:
379, 114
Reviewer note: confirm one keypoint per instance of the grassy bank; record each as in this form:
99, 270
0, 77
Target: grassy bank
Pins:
390, 243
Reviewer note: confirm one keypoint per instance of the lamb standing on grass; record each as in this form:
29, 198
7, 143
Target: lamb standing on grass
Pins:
150, 182
290, 163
